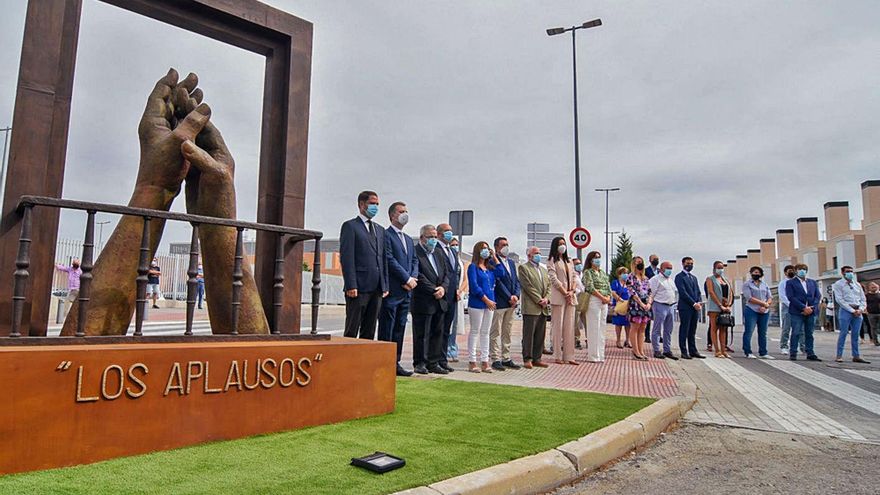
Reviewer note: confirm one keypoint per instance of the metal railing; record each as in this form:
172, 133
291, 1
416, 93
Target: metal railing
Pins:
283, 234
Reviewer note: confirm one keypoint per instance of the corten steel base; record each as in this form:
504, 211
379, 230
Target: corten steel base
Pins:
65, 405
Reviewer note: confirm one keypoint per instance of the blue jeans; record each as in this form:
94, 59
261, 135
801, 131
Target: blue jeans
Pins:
663, 320
452, 346
200, 292
802, 326
753, 318
849, 324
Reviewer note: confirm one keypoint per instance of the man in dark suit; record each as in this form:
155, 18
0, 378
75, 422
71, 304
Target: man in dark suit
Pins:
453, 266
429, 305
803, 302
364, 268
690, 302
507, 293
403, 272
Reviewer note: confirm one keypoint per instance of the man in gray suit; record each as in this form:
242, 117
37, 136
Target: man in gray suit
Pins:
364, 268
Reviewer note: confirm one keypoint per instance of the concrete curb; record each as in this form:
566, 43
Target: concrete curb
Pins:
545, 471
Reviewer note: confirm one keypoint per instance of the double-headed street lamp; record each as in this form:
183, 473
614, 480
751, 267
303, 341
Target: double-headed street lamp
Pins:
606, 191
577, 167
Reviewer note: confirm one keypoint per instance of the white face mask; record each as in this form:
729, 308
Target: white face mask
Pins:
504, 251
561, 249
403, 218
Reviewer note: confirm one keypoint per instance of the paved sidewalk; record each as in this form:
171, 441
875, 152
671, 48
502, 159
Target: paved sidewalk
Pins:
620, 374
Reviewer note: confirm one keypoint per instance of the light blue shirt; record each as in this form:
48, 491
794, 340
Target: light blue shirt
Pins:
783, 297
759, 291
849, 294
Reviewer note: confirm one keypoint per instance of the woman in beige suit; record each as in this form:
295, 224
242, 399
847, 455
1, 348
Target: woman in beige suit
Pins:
562, 301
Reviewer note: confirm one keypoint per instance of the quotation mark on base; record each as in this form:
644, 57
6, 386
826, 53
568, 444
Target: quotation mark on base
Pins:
64, 366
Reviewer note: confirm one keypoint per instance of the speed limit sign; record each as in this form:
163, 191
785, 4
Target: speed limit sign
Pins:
580, 237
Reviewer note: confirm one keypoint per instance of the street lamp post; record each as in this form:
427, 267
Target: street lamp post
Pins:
606, 191
577, 167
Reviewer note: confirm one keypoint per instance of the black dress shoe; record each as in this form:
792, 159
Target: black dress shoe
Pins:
685, 356
813, 357
437, 370
510, 364
403, 372
698, 356
497, 366
670, 356
446, 367
860, 360
658, 355
420, 370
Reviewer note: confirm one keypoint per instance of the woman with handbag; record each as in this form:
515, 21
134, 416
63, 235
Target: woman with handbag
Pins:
718, 307
562, 301
620, 295
639, 306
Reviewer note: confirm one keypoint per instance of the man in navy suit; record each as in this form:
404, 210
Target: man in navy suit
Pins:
453, 266
403, 273
364, 268
690, 302
507, 293
429, 305
803, 301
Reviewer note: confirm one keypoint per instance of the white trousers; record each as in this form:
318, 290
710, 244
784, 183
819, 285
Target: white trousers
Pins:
596, 316
481, 320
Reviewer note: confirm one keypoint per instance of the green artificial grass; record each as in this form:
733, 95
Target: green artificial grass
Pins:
443, 428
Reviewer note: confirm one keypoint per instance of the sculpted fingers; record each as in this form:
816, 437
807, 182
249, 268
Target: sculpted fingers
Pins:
193, 123
157, 111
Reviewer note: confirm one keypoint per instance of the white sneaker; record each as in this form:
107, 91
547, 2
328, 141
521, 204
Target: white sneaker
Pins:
783, 351
751, 356
767, 357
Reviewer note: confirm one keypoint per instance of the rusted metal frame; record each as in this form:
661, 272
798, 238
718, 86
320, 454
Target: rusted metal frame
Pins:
192, 282
316, 285
22, 263
140, 305
292, 232
85, 278
237, 276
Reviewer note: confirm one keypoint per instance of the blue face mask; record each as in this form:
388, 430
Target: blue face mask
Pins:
431, 243
597, 261
372, 210
849, 275
719, 271
484, 253
447, 236
454, 249
579, 267
536, 258
667, 272
624, 277
802, 273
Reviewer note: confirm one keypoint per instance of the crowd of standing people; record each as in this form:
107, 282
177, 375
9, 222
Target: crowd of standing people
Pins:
387, 276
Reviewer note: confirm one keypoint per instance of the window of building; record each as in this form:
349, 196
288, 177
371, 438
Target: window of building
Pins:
877, 251
834, 262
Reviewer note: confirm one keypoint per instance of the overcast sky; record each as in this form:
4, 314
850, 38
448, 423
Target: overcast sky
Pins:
721, 121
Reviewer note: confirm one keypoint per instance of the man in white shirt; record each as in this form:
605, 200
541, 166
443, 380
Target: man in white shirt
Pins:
851, 304
785, 318
664, 296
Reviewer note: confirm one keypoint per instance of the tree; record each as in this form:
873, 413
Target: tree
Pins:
623, 253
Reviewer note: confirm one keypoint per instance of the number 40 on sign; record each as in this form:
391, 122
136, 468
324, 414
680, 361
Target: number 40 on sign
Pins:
579, 237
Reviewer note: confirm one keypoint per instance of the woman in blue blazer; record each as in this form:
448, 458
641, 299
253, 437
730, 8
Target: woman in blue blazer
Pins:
481, 304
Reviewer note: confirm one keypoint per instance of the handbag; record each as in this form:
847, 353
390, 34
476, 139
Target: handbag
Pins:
725, 320
621, 308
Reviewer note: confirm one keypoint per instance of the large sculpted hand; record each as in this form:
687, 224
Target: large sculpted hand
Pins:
161, 171
210, 191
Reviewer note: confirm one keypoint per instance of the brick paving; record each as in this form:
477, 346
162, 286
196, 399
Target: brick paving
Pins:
620, 374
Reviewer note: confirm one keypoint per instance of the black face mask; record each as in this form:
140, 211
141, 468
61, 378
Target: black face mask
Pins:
655, 262
789, 274
75, 265
756, 277
640, 266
